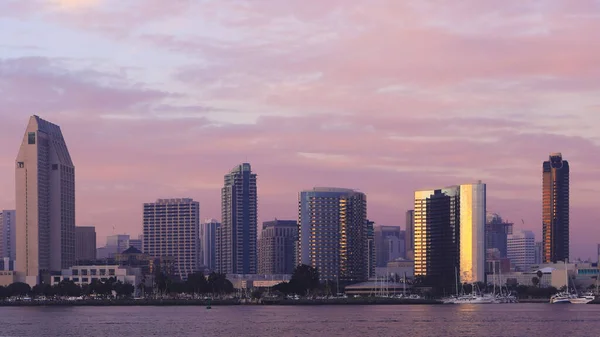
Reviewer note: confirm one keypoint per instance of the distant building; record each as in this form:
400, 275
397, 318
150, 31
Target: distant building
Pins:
389, 244
276, 247
371, 251
45, 203
137, 243
333, 233
101, 253
87, 274
409, 236
208, 242
254, 281
115, 244
8, 234
496, 233
521, 250
555, 209
237, 251
85, 243
539, 252
450, 235
171, 228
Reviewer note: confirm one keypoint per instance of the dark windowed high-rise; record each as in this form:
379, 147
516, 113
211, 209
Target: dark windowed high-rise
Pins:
555, 209
236, 251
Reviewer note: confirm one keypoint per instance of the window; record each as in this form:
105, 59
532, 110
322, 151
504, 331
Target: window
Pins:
20, 164
31, 138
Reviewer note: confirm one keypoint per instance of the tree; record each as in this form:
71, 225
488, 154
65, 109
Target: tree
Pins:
3, 292
19, 289
196, 283
219, 284
535, 281
304, 279
539, 275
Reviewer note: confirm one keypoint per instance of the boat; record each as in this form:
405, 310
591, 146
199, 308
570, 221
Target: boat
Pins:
565, 297
582, 299
561, 298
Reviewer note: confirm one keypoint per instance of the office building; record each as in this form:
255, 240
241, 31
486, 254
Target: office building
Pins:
521, 250
333, 233
555, 209
8, 234
208, 242
116, 244
237, 236
539, 252
389, 244
276, 247
85, 243
409, 235
45, 203
137, 243
171, 228
371, 250
449, 234
496, 233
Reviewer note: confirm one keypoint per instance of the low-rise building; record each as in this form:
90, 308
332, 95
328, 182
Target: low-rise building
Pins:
86, 274
7, 277
249, 281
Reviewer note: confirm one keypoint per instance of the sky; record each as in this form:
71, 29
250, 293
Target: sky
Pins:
160, 99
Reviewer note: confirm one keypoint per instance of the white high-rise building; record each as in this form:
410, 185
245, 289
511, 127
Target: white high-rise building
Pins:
8, 234
45, 203
171, 228
520, 249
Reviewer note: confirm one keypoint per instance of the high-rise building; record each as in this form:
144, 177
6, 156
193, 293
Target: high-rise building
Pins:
496, 232
117, 244
371, 250
276, 247
45, 203
333, 234
539, 252
409, 235
389, 244
237, 237
8, 234
450, 235
208, 242
555, 209
521, 250
85, 243
171, 228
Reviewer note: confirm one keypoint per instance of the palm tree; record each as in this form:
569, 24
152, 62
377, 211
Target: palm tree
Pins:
535, 281
539, 275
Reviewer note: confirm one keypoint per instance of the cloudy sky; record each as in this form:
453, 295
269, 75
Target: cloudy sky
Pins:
159, 99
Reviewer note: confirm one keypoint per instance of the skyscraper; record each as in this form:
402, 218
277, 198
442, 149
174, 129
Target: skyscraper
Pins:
555, 209
8, 234
171, 228
117, 244
208, 242
409, 234
333, 234
45, 202
389, 244
236, 238
521, 250
276, 247
85, 243
496, 232
450, 235
371, 250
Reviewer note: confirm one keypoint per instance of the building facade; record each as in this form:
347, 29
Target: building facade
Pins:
208, 242
85, 243
237, 236
409, 234
371, 249
496, 233
449, 242
555, 209
521, 250
171, 228
8, 234
333, 234
45, 202
276, 247
116, 244
389, 244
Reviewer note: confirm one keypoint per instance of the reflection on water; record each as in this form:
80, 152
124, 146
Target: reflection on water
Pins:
442, 320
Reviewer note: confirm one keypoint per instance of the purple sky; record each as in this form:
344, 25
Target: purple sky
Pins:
159, 99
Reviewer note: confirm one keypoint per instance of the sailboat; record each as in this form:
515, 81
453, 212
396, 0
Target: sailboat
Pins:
563, 297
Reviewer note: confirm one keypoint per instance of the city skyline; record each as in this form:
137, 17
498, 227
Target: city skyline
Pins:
295, 106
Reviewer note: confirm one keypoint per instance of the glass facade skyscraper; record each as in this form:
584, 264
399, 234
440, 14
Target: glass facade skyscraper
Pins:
333, 233
449, 235
555, 209
45, 203
236, 251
